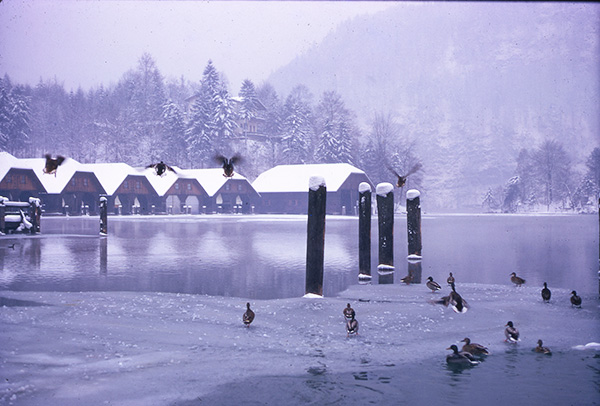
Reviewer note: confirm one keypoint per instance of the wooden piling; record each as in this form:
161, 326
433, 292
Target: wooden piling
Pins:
103, 255
364, 232
103, 206
35, 214
2, 215
413, 223
385, 217
315, 244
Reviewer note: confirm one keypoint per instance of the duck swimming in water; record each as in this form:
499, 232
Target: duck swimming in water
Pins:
575, 300
349, 312
546, 293
351, 327
541, 349
248, 316
460, 358
516, 280
511, 333
433, 285
474, 348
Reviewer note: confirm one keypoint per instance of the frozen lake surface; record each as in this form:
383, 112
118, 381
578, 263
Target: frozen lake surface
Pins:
263, 257
152, 315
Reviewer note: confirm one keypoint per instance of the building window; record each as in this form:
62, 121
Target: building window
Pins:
189, 186
73, 181
227, 186
85, 181
177, 186
138, 185
8, 178
126, 184
23, 179
240, 187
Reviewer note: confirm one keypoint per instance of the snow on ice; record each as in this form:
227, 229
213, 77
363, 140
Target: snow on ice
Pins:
159, 349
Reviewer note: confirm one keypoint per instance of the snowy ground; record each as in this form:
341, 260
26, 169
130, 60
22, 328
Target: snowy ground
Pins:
123, 348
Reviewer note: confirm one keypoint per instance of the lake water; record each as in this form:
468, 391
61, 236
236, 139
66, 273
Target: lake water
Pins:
263, 257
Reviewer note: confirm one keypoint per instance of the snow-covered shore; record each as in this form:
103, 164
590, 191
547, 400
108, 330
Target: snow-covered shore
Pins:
123, 348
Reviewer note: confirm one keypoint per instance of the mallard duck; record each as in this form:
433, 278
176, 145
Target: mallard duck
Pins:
460, 358
52, 164
546, 293
227, 163
351, 327
402, 179
161, 168
450, 279
433, 285
516, 280
349, 312
575, 300
474, 348
407, 279
541, 349
511, 333
248, 315
458, 304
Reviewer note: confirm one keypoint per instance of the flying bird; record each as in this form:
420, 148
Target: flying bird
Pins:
349, 312
474, 348
546, 293
460, 358
351, 327
450, 279
541, 349
402, 179
511, 333
52, 164
248, 316
516, 280
228, 163
433, 285
575, 300
161, 168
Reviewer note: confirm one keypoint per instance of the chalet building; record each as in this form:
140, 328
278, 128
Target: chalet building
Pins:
284, 188
177, 193
224, 195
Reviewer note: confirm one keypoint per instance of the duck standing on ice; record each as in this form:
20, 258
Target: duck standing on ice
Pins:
511, 333
248, 316
450, 279
433, 285
351, 326
516, 280
349, 312
546, 293
575, 300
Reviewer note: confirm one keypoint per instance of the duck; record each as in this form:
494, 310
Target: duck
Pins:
450, 279
546, 293
541, 349
248, 315
516, 280
349, 312
401, 181
161, 168
228, 163
474, 348
433, 285
407, 279
575, 300
351, 326
460, 358
459, 305
52, 164
511, 333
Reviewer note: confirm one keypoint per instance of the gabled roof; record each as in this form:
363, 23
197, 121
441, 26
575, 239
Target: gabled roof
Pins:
7, 161
52, 183
111, 175
295, 178
211, 179
161, 184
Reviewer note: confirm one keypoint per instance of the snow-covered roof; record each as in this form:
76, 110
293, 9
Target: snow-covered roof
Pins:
210, 179
296, 178
7, 161
52, 183
111, 175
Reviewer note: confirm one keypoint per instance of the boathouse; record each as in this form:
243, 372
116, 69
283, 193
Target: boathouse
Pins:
284, 188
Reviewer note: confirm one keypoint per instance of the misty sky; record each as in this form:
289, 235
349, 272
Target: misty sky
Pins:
85, 43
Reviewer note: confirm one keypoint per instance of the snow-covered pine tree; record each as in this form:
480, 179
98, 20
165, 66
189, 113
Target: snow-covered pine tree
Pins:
174, 140
199, 131
296, 125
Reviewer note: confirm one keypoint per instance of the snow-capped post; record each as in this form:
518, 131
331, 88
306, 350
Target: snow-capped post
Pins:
385, 216
103, 205
35, 214
2, 214
413, 223
364, 232
315, 244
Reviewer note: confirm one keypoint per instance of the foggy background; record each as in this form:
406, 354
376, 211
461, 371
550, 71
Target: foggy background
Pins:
499, 101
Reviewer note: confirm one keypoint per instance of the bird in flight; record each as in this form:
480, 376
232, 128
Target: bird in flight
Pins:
161, 168
228, 163
52, 164
402, 178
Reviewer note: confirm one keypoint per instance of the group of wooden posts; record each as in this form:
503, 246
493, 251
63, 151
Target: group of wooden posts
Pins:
315, 247
13, 216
